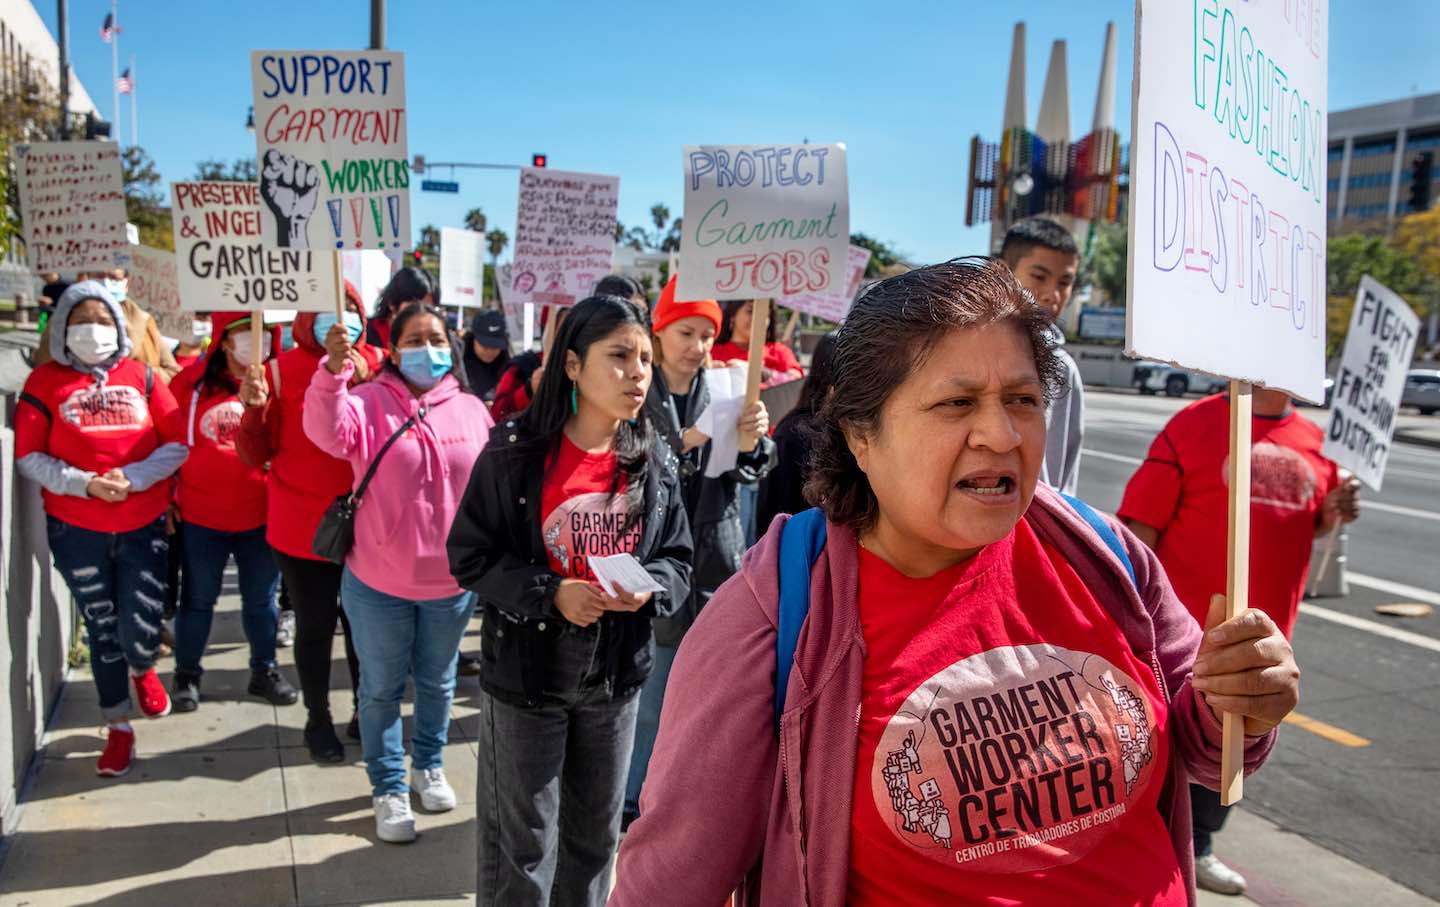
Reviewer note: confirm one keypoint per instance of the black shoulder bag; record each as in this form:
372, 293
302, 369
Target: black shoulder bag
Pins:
335, 535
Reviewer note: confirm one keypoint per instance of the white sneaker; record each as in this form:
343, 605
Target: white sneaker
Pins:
394, 822
1212, 875
436, 794
285, 631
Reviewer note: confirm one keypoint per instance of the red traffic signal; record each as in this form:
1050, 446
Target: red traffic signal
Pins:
419, 256
537, 160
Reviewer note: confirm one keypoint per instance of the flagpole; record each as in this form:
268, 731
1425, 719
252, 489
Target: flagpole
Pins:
134, 119
115, 64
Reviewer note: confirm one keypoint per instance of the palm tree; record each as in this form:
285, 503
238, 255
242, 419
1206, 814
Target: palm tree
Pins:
496, 241
429, 240
660, 215
475, 220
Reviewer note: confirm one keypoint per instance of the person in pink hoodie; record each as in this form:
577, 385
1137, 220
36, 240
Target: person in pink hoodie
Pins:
406, 611
995, 698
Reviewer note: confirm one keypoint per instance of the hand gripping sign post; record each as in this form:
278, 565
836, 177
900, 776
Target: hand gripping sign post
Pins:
1227, 221
332, 151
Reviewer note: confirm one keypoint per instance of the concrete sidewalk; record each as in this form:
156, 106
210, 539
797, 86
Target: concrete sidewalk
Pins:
225, 808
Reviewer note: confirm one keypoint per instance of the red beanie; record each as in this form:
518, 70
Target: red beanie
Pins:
670, 310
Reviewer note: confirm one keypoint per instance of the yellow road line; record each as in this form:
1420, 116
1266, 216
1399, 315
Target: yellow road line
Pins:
1328, 731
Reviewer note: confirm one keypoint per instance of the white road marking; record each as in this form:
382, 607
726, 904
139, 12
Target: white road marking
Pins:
1414, 593
1370, 626
1367, 504
1107, 455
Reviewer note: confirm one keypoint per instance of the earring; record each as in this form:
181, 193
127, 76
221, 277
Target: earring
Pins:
574, 400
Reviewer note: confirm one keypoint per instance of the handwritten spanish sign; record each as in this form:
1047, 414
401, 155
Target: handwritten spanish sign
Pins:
72, 204
833, 306
564, 235
462, 267
152, 285
1383, 331
1228, 170
225, 264
332, 148
764, 221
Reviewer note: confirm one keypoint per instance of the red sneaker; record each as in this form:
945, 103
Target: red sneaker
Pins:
119, 753
150, 693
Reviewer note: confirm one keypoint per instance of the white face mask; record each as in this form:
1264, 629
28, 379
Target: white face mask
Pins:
92, 344
245, 344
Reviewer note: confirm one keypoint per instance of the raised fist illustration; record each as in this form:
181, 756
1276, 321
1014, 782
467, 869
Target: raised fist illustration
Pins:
290, 188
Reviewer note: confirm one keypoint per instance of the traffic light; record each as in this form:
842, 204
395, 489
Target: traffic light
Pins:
1422, 168
419, 257
96, 128
537, 160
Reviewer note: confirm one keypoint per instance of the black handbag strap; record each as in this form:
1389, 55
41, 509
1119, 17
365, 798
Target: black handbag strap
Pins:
359, 491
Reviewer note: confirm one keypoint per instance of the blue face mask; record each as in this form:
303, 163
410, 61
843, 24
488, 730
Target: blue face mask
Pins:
424, 366
326, 320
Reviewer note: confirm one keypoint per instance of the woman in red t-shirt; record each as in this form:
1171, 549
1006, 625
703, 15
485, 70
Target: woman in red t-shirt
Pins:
221, 508
100, 434
733, 344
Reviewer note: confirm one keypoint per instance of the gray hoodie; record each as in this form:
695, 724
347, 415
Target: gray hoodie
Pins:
1064, 426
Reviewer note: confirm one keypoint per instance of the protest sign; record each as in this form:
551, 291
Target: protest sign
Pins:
764, 221
1383, 331
368, 270
72, 205
462, 267
223, 263
331, 146
833, 306
1227, 188
564, 235
152, 285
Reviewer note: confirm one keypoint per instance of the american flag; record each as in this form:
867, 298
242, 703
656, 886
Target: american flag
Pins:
125, 84
109, 28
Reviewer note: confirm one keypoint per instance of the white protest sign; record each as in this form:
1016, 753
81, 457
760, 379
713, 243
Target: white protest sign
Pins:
764, 221
331, 147
72, 204
1227, 190
564, 235
224, 264
152, 285
1383, 331
368, 270
833, 306
462, 267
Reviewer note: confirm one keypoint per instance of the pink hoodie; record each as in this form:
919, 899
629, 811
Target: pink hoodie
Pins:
402, 522
727, 806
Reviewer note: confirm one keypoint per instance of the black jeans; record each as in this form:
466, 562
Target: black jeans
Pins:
315, 591
1207, 816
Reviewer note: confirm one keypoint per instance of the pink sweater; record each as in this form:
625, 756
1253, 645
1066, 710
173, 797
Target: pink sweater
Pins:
726, 805
402, 522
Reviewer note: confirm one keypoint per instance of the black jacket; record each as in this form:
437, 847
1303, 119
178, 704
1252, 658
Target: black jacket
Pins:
496, 551
783, 490
713, 505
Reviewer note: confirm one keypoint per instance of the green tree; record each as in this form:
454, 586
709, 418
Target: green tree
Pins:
475, 220
241, 170
28, 113
659, 215
1353, 255
495, 242
1109, 260
144, 199
882, 255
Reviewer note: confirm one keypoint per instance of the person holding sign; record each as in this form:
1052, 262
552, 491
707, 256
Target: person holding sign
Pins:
984, 689
733, 344
416, 434
1176, 503
576, 477
221, 510
684, 332
303, 481
100, 434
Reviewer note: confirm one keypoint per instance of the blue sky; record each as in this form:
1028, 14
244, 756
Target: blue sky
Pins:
619, 88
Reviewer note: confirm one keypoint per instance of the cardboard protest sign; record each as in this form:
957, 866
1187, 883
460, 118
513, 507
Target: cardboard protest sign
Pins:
462, 267
224, 263
72, 205
764, 221
1383, 331
564, 235
331, 148
833, 306
368, 270
152, 285
1227, 191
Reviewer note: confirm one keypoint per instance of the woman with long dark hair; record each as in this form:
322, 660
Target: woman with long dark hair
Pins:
733, 344
577, 477
783, 490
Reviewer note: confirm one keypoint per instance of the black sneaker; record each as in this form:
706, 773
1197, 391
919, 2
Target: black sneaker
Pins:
320, 739
185, 692
469, 666
272, 686
352, 730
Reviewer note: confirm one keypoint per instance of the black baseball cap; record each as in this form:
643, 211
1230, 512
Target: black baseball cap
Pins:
487, 328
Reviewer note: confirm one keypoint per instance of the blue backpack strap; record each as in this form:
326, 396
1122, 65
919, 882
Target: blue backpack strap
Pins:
802, 538
1102, 528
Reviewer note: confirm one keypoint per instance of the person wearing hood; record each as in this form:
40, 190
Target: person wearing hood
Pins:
101, 435
487, 352
683, 334
221, 512
420, 433
302, 483
146, 344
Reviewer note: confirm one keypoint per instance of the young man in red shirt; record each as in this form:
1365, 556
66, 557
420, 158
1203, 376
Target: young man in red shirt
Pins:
1178, 503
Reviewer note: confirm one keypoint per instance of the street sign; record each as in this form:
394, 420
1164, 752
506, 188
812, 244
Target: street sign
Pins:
439, 186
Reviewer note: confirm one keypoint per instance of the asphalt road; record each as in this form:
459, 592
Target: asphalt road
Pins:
1362, 776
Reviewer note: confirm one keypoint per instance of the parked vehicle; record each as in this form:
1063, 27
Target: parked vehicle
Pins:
1154, 377
1422, 390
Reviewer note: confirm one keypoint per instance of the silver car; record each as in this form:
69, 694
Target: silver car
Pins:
1422, 390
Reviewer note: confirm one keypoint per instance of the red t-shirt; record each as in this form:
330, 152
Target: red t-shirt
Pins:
216, 490
1182, 489
186, 361
98, 428
779, 358
1012, 748
584, 514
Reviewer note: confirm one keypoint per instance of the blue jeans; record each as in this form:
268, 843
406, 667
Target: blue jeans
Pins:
118, 580
397, 638
647, 724
204, 554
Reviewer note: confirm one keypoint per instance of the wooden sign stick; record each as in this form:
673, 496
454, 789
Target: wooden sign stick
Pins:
1237, 585
339, 289
257, 327
759, 326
